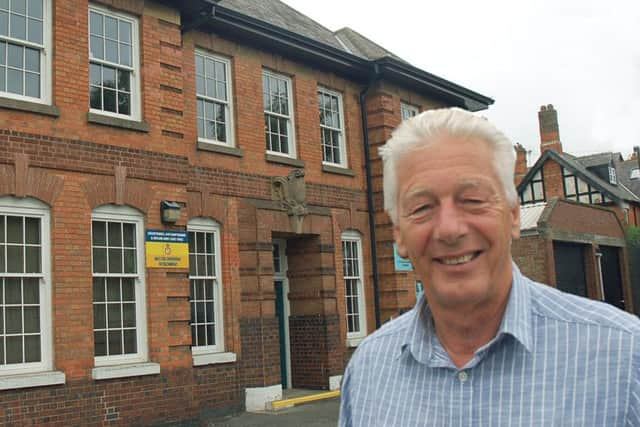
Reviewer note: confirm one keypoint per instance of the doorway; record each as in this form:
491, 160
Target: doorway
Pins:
611, 276
570, 268
281, 287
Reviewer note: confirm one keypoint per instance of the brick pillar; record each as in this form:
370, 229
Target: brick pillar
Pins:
521, 163
259, 334
396, 289
549, 129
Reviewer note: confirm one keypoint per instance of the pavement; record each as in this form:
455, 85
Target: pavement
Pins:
316, 414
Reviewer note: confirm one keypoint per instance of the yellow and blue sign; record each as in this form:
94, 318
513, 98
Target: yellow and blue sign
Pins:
167, 249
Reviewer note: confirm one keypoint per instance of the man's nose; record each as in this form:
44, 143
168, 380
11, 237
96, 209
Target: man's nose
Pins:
451, 224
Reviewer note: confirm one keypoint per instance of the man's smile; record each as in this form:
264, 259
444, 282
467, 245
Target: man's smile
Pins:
457, 259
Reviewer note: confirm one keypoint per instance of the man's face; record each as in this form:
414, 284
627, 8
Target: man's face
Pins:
455, 224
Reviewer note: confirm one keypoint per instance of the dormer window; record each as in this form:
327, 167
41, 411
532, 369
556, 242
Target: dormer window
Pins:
613, 178
635, 174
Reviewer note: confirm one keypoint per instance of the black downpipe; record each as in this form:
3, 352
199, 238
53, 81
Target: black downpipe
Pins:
370, 205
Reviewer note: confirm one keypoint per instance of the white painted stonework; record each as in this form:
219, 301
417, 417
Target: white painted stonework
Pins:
334, 382
256, 398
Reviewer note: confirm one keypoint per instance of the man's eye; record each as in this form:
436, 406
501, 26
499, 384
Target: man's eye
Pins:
421, 209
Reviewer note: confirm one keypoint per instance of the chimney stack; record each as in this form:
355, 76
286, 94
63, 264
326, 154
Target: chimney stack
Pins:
549, 131
521, 163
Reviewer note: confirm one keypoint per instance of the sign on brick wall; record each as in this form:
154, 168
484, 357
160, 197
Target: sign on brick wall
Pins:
167, 249
401, 264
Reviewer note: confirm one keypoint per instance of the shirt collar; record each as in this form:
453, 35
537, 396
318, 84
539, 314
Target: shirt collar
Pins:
420, 336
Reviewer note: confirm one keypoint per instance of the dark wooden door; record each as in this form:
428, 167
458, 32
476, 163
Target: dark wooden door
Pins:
611, 276
570, 273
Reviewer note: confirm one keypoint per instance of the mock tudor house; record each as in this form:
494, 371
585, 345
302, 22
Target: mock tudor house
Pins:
574, 212
191, 211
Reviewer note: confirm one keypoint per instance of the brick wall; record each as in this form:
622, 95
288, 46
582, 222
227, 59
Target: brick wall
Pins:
260, 362
171, 397
316, 350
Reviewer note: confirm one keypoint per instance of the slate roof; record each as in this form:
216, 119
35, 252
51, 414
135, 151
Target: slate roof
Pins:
615, 192
624, 175
362, 46
281, 15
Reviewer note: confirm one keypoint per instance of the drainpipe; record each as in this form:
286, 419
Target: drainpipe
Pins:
367, 165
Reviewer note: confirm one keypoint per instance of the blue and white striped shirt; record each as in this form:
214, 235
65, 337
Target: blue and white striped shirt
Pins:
557, 360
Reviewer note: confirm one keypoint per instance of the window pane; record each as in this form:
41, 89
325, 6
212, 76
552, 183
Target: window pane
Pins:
31, 320
129, 315
124, 103
130, 261
115, 342
537, 190
100, 343
130, 344
95, 23
115, 260
32, 230
95, 97
98, 289
99, 316
570, 186
32, 256
124, 80
584, 198
113, 316
109, 77
125, 32
113, 289
125, 54
583, 187
99, 260
110, 27
200, 85
128, 289
35, 8
2, 266
32, 348
31, 290
13, 290
221, 91
18, 26
596, 198
95, 74
96, 47
111, 50
32, 85
4, 23
115, 234
14, 350
19, 6
32, 60
15, 83
13, 323
14, 56
15, 259
35, 31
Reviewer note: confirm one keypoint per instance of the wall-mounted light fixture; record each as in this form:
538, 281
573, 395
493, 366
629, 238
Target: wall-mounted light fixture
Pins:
169, 211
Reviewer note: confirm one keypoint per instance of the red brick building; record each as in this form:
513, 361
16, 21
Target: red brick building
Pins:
244, 131
574, 214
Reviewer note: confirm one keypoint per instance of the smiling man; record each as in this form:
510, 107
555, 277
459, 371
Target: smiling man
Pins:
485, 345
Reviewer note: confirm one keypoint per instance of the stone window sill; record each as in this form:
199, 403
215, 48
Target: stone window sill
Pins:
213, 358
117, 122
354, 342
124, 371
38, 379
274, 158
31, 107
220, 149
338, 170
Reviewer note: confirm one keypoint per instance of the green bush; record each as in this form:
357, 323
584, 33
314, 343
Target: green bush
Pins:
633, 236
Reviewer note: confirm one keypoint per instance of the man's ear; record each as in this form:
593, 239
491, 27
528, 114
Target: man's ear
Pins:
397, 236
515, 223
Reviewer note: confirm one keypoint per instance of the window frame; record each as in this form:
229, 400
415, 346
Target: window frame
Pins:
290, 118
229, 125
125, 214
33, 208
342, 134
46, 63
354, 338
406, 107
590, 193
529, 189
135, 83
210, 226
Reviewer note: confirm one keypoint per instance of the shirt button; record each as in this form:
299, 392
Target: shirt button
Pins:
463, 376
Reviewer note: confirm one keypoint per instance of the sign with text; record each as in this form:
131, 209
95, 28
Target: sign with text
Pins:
167, 249
401, 264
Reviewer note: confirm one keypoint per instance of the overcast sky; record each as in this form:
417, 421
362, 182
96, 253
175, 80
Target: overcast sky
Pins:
582, 56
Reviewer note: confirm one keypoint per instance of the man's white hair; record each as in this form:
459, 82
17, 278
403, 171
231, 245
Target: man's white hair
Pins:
421, 130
